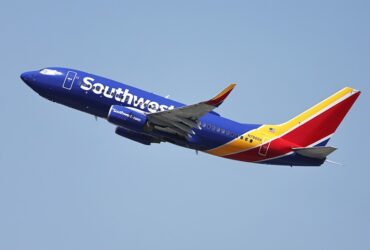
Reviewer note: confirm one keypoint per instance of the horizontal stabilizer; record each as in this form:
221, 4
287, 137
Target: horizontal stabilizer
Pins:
315, 152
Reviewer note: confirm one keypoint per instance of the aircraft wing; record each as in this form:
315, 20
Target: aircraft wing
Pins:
182, 120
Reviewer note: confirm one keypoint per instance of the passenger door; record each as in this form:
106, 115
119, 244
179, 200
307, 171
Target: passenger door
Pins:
68, 81
264, 147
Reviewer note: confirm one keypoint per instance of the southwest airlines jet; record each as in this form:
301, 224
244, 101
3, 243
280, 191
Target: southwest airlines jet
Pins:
149, 118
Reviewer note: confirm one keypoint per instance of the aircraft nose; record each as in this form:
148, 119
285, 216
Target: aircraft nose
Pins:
28, 77
25, 77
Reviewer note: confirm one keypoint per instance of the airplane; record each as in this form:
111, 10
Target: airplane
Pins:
149, 118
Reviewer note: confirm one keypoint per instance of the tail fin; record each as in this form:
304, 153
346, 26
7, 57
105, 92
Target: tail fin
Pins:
315, 126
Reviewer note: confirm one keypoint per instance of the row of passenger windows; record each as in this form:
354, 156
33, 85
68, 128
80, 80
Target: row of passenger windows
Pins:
224, 131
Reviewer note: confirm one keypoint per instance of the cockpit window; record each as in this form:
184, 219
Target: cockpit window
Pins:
50, 72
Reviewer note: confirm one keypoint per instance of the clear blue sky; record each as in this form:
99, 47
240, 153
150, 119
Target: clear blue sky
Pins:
68, 182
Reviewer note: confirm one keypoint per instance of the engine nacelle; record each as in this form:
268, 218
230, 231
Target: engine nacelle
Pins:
125, 117
144, 139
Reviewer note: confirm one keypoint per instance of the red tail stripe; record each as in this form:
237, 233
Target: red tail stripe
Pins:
322, 125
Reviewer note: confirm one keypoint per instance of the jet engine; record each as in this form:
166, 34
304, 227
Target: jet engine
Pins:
144, 139
126, 117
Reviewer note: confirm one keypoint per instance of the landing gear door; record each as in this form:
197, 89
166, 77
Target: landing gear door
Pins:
68, 81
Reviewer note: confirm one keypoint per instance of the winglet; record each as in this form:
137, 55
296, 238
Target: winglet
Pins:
218, 99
